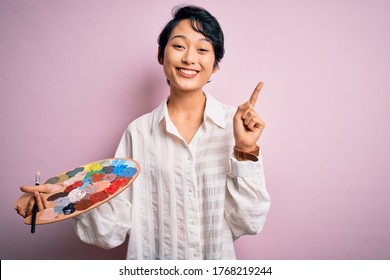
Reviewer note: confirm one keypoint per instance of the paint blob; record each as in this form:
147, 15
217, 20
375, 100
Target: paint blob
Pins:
69, 209
83, 204
48, 214
53, 180
102, 185
110, 177
73, 172
57, 195
99, 196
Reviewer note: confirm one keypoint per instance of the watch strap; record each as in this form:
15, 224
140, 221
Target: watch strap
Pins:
251, 155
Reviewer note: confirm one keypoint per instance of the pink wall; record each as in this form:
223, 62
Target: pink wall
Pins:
73, 74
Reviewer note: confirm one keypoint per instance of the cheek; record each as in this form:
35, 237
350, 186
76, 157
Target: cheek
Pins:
171, 55
208, 63
168, 69
168, 63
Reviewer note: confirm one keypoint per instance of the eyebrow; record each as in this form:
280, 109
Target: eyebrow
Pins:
184, 37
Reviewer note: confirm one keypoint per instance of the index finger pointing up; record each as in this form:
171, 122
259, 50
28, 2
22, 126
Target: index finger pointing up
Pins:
255, 94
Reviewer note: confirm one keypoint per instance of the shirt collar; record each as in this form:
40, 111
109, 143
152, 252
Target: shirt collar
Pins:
159, 114
213, 111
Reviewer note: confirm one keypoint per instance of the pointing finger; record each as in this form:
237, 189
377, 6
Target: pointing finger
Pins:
255, 94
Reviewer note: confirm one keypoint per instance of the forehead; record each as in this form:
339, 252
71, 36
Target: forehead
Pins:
185, 30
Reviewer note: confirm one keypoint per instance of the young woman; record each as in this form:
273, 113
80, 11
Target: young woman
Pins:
201, 184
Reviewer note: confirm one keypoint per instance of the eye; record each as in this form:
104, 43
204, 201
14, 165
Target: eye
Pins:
179, 47
203, 50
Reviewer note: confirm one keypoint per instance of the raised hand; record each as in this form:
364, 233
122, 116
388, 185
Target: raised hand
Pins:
247, 124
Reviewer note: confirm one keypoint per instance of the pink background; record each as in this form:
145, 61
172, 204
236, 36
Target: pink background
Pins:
73, 74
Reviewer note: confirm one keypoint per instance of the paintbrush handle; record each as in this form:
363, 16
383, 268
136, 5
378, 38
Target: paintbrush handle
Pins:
35, 208
34, 217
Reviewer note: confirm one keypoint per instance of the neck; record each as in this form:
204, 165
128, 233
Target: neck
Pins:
186, 111
188, 103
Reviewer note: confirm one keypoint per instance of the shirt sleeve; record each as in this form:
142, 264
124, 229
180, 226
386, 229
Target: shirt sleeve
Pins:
107, 225
247, 200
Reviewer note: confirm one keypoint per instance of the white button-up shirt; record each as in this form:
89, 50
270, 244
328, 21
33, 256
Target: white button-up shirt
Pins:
190, 201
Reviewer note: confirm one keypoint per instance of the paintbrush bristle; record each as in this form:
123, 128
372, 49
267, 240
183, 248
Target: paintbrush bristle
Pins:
38, 173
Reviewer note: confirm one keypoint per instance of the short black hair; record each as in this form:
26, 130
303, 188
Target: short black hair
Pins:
202, 21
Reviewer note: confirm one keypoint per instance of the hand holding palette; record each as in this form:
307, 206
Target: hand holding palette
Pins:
83, 188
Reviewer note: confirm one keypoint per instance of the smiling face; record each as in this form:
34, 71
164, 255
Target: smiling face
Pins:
188, 59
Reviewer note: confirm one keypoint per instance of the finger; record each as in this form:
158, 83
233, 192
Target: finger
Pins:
46, 188
240, 109
21, 211
251, 126
30, 206
44, 202
248, 113
255, 94
254, 123
260, 123
38, 201
247, 120
32, 189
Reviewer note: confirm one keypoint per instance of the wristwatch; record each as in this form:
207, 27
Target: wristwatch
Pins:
252, 155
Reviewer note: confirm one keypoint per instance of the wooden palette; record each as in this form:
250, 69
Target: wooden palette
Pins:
84, 188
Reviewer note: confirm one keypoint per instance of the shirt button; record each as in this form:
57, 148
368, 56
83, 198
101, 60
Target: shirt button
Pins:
195, 255
189, 157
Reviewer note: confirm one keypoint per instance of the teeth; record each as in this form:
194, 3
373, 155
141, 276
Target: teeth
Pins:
188, 72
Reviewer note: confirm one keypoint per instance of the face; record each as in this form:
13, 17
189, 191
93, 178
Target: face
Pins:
188, 59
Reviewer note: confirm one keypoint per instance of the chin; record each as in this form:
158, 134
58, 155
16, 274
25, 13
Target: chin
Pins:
186, 86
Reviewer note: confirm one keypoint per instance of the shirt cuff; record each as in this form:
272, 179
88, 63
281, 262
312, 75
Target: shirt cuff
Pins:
245, 168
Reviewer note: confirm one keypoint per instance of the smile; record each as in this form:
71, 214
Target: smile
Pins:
187, 71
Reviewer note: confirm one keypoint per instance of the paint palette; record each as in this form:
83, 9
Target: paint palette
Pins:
84, 188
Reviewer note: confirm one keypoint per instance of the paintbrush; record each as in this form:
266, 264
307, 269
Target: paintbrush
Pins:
35, 207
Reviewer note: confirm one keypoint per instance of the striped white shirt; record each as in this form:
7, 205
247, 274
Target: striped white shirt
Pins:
190, 201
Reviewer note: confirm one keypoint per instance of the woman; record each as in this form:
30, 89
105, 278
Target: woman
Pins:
201, 184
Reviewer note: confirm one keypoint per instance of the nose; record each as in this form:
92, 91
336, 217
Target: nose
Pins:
189, 57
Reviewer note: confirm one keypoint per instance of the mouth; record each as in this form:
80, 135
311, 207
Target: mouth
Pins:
187, 72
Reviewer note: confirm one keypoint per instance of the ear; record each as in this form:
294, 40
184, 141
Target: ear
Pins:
160, 60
